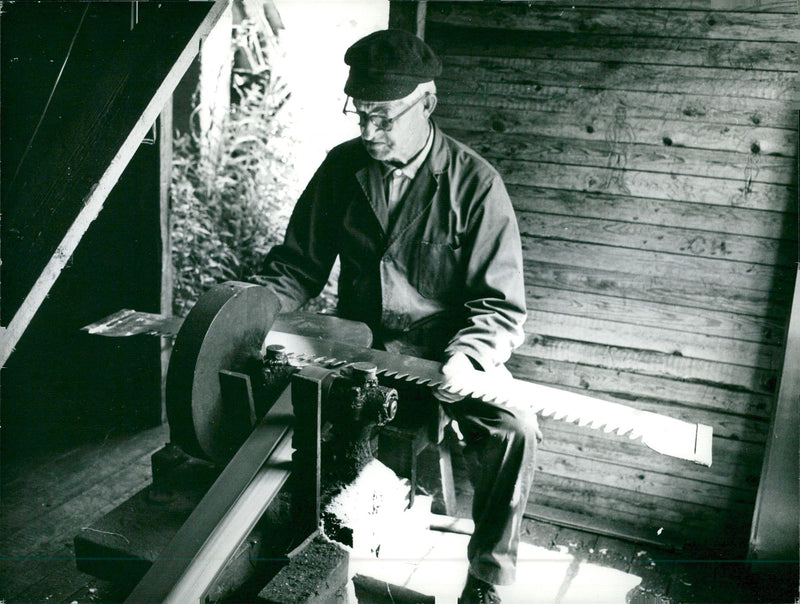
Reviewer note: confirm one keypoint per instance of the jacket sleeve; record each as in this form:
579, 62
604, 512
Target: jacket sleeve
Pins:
298, 269
495, 291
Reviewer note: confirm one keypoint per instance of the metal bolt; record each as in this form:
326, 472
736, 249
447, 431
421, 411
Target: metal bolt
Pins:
276, 352
364, 372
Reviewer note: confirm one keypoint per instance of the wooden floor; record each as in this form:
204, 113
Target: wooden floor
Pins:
45, 502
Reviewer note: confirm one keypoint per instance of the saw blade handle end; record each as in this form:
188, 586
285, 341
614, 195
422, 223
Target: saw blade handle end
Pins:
702, 445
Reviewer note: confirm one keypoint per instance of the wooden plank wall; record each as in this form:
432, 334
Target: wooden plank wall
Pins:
651, 156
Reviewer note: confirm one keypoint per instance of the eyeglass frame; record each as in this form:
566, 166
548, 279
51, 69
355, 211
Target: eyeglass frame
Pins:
386, 123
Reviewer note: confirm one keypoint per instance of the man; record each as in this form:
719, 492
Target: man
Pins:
431, 260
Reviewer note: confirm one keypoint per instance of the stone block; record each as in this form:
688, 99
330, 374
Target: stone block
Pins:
375, 591
316, 575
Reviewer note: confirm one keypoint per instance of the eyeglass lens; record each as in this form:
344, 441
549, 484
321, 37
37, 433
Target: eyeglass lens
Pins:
380, 122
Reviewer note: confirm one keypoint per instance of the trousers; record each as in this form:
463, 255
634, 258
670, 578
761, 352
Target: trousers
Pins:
500, 449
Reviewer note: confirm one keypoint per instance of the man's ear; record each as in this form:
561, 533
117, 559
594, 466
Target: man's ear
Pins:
429, 104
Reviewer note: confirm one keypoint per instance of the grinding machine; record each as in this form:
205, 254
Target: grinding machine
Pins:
262, 404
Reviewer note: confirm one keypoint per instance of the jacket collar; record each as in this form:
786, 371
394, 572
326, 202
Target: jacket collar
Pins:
439, 158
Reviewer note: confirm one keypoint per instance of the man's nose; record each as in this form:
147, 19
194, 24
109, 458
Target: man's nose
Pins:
368, 130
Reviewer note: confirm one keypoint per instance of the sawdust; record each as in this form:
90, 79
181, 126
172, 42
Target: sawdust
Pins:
368, 507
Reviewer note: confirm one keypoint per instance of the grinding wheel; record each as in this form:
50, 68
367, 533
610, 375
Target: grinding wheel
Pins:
223, 330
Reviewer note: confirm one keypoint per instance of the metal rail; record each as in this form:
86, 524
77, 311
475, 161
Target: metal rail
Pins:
197, 554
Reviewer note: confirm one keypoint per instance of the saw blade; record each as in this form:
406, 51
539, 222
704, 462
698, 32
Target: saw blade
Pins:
666, 435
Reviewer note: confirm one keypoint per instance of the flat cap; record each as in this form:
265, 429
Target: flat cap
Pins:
389, 64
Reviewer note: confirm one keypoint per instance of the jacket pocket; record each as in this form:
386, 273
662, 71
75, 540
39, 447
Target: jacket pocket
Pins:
436, 274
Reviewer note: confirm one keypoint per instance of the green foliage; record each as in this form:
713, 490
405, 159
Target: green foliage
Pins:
231, 199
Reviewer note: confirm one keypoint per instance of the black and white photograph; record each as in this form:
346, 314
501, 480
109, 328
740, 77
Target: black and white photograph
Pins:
399, 302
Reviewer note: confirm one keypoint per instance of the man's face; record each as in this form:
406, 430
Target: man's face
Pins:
408, 132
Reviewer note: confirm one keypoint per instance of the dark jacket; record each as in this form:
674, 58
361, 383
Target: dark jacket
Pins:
446, 276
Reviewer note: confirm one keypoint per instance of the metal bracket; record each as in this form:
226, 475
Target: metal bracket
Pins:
309, 387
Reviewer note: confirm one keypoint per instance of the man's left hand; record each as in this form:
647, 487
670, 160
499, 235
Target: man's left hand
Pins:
461, 378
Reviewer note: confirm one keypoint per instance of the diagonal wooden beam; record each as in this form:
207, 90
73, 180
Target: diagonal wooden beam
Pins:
96, 197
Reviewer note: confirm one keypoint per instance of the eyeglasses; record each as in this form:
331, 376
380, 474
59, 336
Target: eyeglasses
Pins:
381, 122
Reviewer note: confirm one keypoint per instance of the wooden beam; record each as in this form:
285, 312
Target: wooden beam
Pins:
597, 525
598, 45
273, 17
93, 203
731, 25
422, 15
165, 176
410, 16
307, 395
509, 117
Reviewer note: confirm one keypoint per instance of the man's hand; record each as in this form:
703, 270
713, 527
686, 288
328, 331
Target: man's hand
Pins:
461, 378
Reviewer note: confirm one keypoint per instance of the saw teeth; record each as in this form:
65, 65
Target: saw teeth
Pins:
556, 414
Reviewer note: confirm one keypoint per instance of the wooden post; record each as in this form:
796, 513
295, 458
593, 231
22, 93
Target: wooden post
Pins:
422, 12
409, 16
165, 175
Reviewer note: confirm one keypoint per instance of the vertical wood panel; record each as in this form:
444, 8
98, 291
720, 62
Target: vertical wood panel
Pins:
774, 535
